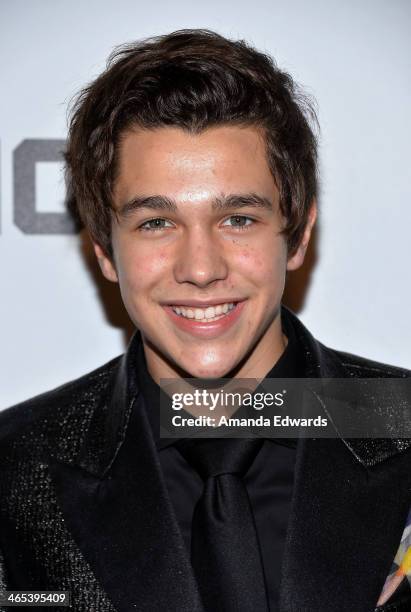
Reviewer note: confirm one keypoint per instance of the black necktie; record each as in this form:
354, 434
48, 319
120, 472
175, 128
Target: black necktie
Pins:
225, 553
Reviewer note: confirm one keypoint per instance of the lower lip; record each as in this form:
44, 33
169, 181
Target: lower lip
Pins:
206, 330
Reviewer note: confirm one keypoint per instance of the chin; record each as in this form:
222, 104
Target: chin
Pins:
207, 371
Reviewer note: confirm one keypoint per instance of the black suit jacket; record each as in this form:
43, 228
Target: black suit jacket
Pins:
84, 506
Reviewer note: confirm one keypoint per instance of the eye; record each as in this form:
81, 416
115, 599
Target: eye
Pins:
153, 225
238, 221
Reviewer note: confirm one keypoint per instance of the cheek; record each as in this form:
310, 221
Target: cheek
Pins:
262, 265
250, 259
142, 269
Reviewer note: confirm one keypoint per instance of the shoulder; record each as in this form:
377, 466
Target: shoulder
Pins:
325, 362
361, 367
55, 415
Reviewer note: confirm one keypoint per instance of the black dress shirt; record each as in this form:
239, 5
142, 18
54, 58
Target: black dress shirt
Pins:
269, 481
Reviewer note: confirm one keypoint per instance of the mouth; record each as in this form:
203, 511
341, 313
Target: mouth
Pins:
208, 320
207, 314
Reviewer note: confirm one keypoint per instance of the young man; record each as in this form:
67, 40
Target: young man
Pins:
193, 167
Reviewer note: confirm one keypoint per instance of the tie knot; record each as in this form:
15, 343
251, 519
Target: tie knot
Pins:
216, 456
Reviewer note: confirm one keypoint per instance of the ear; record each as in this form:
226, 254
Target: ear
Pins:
106, 264
297, 259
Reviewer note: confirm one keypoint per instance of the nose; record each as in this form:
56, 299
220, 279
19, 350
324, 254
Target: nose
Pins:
201, 259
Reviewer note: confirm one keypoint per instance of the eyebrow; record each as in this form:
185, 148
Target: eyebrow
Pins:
220, 203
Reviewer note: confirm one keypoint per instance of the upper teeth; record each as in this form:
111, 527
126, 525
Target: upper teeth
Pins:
204, 313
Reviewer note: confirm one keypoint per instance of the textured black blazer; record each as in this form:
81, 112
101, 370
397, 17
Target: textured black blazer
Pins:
84, 506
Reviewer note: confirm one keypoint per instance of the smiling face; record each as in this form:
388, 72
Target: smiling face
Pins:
197, 250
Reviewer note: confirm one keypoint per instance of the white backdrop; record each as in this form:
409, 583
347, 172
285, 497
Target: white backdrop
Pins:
353, 56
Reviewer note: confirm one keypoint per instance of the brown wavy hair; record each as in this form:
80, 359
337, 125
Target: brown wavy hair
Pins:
191, 79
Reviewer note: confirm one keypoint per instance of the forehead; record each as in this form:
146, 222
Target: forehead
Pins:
173, 162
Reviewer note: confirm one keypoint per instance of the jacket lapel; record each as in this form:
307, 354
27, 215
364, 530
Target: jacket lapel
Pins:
350, 504
116, 506
344, 529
